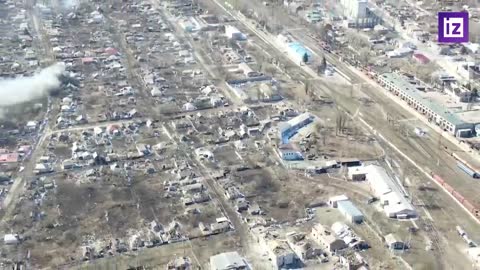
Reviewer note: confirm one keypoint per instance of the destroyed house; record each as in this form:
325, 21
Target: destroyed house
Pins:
303, 247
233, 193
221, 227
194, 188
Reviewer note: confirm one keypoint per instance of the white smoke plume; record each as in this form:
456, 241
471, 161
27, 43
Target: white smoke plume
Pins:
22, 89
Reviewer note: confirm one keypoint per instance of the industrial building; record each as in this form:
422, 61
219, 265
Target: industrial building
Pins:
358, 14
228, 261
428, 104
394, 202
333, 201
350, 211
290, 152
357, 173
233, 33
248, 71
290, 128
354, 9
286, 150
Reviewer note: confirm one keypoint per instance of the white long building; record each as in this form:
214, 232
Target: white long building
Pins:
233, 33
411, 91
393, 200
354, 9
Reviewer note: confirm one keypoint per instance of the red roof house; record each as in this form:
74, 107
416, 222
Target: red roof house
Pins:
421, 58
9, 158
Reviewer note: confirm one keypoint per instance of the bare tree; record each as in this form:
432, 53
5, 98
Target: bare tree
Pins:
323, 65
259, 94
364, 56
341, 123
260, 63
320, 132
357, 40
306, 84
321, 30
270, 69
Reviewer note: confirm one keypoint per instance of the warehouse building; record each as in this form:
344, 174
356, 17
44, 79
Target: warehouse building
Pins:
430, 105
228, 261
393, 200
354, 9
357, 173
358, 14
290, 128
233, 33
350, 211
290, 152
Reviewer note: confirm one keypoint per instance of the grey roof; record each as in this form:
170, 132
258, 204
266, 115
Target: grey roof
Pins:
391, 239
348, 207
228, 261
410, 90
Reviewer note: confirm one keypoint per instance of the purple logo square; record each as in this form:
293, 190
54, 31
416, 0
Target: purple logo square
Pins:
452, 27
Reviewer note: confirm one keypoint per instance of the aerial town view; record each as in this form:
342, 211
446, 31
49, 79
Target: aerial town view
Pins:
240, 134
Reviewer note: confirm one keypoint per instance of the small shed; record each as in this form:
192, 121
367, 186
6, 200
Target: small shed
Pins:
393, 242
10, 239
350, 162
350, 211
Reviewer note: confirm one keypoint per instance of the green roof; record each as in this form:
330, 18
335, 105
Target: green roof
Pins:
402, 83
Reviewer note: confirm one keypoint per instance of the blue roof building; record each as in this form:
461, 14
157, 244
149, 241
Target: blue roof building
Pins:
290, 152
298, 51
289, 128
